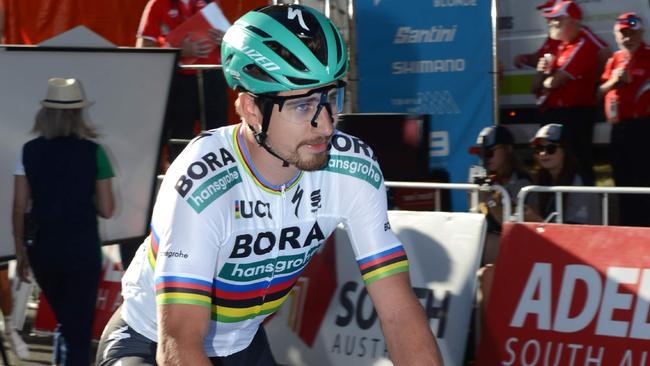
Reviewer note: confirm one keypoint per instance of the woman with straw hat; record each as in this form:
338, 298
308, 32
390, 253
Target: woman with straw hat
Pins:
66, 179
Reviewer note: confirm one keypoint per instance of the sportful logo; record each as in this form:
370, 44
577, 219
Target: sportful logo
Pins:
260, 59
292, 13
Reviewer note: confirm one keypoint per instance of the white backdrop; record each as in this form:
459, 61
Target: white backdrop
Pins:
444, 251
129, 88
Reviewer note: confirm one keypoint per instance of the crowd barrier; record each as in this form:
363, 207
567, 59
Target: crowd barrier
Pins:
558, 190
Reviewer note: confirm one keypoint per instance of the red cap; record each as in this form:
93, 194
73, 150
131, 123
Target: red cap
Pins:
565, 8
547, 5
629, 21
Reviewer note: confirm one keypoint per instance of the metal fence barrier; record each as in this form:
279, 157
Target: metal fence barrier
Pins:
474, 188
558, 190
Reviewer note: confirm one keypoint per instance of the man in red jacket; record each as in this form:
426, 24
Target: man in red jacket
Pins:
626, 86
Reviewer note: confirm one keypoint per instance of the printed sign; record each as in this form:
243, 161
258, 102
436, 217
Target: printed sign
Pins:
329, 318
436, 58
569, 295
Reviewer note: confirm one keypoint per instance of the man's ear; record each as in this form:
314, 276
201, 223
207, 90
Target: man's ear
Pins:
249, 109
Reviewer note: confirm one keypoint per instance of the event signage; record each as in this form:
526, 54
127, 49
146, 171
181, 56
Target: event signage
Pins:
435, 59
329, 318
569, 295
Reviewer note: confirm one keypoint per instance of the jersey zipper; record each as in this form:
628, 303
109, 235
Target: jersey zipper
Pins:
276, 249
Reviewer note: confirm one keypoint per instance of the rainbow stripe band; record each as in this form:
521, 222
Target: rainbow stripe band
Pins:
152, 252
249, 168
182, 290
383, 264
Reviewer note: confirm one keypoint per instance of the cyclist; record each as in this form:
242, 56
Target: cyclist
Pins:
244, 207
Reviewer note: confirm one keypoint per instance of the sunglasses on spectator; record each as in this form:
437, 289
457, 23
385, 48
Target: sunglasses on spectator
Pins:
488, 153
549, 149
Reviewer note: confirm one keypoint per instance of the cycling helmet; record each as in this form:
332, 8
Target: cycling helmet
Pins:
282, 47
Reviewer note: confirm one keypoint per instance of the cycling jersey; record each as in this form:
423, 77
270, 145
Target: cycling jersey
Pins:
223, 237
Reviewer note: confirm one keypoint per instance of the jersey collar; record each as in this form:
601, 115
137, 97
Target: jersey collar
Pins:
247, 163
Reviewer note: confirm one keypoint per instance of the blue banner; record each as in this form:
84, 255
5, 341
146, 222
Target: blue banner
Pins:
430, 57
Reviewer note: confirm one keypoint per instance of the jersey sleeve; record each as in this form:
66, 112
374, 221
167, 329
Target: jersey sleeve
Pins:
379, 253
104, 168
183, 249
150, 23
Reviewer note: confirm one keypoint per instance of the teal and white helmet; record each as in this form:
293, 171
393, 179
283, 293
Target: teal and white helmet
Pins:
267, 50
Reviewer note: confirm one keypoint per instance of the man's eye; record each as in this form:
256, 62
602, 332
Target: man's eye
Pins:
304, 107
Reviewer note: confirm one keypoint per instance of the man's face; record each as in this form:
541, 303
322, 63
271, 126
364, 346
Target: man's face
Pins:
628, 39
562, 28
291, 134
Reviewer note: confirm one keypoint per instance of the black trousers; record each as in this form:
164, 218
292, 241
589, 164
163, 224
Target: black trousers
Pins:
629, 163
72, 294
184, 107
579, 133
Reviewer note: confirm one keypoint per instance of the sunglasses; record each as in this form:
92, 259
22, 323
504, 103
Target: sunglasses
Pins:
549, 149
488, 153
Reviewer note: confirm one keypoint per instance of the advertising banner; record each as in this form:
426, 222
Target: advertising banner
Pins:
329, 318
429, 57
569, 295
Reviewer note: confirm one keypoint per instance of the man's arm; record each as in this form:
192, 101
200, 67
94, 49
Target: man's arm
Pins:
404, 324
181, 330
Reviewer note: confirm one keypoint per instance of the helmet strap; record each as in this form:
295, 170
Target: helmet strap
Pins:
260, 137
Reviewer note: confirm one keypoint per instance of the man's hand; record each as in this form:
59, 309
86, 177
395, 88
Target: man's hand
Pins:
543, 65
200, 48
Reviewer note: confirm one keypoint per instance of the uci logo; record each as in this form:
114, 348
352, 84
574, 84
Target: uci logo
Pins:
246, 209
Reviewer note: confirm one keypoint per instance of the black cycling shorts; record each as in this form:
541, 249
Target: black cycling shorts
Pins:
121, 345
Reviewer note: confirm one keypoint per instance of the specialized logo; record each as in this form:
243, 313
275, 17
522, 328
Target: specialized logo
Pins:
435, 34
315, 200
260, 59
297, 197
355, 167
293, 13
248, 209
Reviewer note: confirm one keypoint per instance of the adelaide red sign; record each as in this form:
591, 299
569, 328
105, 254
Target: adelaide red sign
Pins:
569, 295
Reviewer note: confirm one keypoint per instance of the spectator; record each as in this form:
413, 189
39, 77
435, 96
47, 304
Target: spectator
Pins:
496, 147
566, 82
558, 167
16, 342
551, 45
65, 178
626, 86
158, 19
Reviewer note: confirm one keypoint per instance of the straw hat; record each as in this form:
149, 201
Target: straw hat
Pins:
64, 94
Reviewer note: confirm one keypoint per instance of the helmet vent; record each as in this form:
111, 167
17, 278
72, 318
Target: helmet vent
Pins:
301, 81
339, 41
258, 31
287, 55
257, 72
